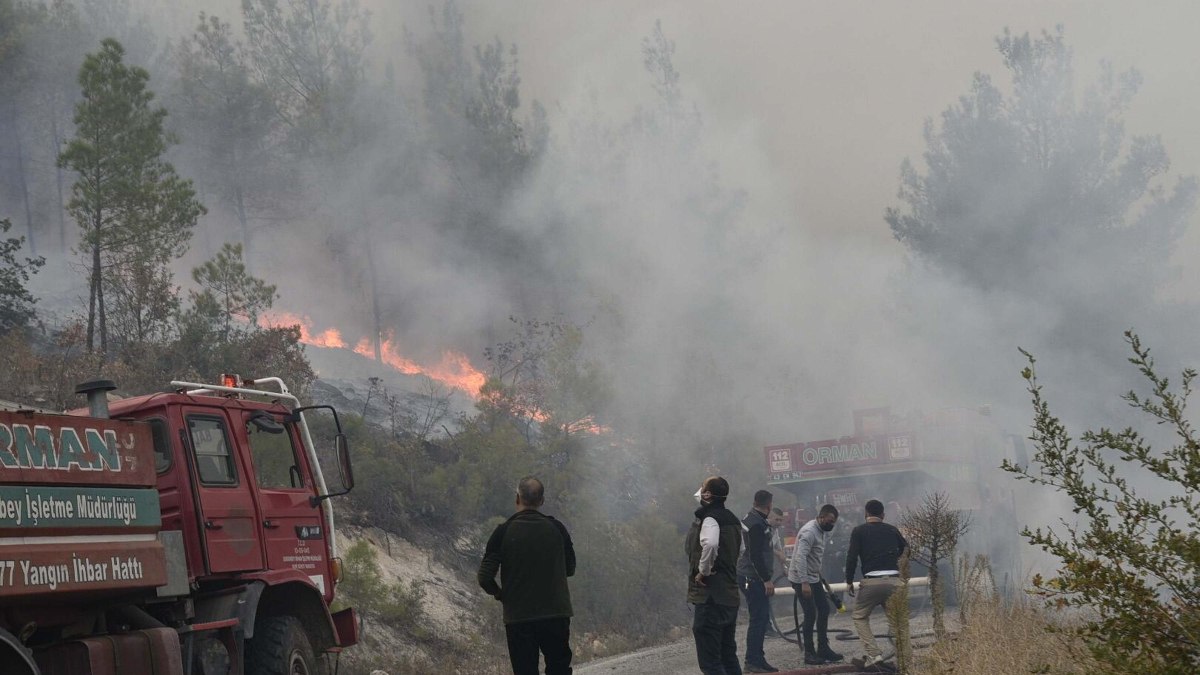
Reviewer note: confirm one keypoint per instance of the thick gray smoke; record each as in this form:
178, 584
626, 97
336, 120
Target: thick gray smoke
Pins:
706, 197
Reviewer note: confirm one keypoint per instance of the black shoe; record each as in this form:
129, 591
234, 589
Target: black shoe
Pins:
829, 655
762, 667
811, 659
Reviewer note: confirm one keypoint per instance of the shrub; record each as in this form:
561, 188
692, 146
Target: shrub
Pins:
1128, 560
1016, 637
399, 605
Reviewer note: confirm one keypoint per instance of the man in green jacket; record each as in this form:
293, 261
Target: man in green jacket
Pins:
534, 555
713, 546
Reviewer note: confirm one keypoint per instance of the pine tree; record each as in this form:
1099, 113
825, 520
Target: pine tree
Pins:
229, 292
136, 213
16, 303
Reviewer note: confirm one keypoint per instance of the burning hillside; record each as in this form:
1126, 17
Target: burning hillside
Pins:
454, 369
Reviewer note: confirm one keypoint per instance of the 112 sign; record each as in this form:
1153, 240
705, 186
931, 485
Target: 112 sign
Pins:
781, 460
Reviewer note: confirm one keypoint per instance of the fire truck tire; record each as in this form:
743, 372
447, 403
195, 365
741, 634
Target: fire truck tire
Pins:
15, 657
280, 647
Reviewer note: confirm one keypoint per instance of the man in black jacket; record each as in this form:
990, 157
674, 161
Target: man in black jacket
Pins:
534, 555
713, 545
879, 546
755, 571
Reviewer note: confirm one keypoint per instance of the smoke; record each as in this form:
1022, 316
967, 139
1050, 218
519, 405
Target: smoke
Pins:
721, 234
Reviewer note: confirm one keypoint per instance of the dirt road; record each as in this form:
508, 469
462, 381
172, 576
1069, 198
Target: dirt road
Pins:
679, 658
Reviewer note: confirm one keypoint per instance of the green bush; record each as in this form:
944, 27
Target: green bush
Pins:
399, 605
1129, 560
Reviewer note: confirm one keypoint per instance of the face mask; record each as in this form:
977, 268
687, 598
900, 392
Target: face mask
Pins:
828, 527
697, 496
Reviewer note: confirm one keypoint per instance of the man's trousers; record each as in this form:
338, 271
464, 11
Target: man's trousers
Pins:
872, 593
551, 637
713, 627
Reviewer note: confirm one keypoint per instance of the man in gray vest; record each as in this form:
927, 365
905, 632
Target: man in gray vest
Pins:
713, 546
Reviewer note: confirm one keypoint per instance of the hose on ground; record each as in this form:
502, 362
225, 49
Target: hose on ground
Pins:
840, 634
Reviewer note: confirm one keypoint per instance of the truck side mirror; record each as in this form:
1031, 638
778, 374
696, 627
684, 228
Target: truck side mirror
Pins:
342, 450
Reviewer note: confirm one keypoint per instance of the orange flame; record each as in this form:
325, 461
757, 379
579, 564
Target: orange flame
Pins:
330, 337
454, 369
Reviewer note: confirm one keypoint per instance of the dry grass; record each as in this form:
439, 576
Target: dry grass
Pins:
1007, 638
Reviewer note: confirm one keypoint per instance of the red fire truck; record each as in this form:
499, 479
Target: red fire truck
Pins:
899, 460
178, 533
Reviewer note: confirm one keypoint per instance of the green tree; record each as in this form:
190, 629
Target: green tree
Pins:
233, 122
8, 29
492, 111
16, 303
16, 24
1016, 184
228, 293
1131, 560
56, 44
309, 54
136, 213
474, 129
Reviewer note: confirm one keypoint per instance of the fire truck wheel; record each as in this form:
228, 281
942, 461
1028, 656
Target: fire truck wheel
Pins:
15, 657
280, 647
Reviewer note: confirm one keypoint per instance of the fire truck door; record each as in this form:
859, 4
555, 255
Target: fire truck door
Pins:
228, 515
292, 526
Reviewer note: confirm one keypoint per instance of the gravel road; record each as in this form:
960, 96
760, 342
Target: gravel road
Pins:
679, 658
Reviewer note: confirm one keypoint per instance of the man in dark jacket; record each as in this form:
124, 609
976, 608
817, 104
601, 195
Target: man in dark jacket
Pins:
713, 546
755, 572
879, 546
534, 555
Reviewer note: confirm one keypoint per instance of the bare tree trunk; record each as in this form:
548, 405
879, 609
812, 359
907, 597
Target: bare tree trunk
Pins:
937, 599
101, 314
58, 175
898, 616
16, 134
376, 317
93, 291
96, 317
239, 201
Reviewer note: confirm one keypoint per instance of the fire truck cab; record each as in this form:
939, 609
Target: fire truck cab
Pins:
189, 532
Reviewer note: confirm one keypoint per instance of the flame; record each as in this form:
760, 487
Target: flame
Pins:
330, 337
589, 425
453, 370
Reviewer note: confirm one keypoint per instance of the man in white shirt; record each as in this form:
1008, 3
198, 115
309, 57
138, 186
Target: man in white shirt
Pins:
713, 546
